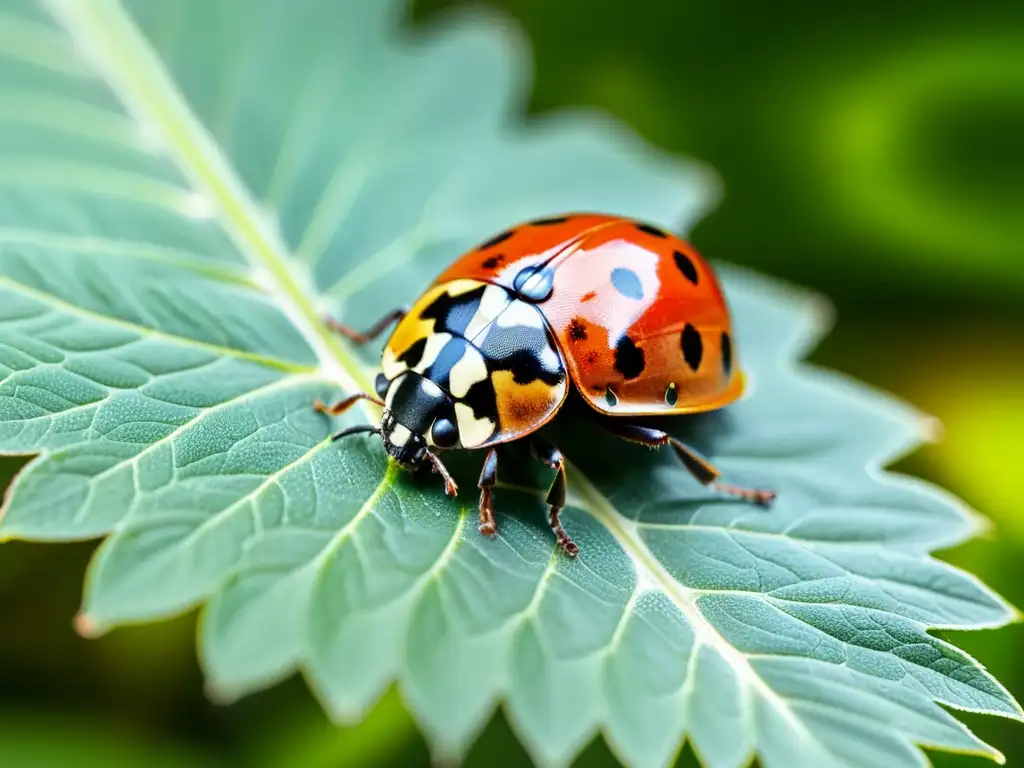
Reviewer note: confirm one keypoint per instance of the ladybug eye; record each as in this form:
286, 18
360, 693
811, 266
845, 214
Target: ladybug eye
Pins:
444, 434
381, 384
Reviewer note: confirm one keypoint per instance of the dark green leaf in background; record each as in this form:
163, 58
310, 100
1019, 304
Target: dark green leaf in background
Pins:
186, 187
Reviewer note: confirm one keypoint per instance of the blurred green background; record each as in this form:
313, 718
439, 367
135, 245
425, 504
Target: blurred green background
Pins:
871, 150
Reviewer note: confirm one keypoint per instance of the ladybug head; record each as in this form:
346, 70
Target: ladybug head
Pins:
418, 416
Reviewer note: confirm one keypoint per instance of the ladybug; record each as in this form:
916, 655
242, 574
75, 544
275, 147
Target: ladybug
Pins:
628, 314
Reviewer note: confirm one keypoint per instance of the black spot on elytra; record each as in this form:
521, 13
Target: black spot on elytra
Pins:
647, 229
693, 346
500, 238
626, 282
726, 353
686, 266
629, 358
412, 356
671, 394
454, 313
552, 220
493, 261
577, 330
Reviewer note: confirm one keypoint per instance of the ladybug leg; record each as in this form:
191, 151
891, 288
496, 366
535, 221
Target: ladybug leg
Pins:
488, 478
343, 405
550, 456
450, 487
362, 337
703, 470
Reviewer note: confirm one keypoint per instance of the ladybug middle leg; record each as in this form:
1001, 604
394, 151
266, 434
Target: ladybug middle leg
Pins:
359, 337
697, 465
547, 454
363, 337
488, 479
343, 405
550, 456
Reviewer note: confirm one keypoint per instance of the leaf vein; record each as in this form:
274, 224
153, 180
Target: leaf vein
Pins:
132, 68
67, 308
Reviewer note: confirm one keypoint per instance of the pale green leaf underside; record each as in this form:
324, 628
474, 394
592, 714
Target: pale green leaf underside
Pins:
186, 186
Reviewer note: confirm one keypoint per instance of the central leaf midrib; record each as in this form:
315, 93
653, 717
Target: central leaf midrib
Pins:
136, 74
601, 508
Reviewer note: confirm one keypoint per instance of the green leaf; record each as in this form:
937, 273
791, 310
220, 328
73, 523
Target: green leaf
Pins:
186, 187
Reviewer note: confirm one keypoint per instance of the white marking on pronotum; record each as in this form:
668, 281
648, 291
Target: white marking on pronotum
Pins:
399, 435
390, 397
473, 431
470, 369
430, 388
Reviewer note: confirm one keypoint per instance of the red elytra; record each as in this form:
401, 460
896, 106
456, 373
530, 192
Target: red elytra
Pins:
639, 315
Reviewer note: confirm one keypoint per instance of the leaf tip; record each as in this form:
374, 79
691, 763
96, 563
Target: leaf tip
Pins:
932, 429
444, 759
220, 695
86, 626
822, 312
1018, 712
981, 526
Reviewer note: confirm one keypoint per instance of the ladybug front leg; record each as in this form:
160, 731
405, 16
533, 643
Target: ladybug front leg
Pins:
697, 465
450, 487
362, 337
547, 454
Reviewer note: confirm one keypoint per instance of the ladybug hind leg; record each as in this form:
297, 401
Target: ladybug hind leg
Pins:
703, 470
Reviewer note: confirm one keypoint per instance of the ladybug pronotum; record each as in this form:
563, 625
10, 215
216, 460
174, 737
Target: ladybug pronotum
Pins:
629, 315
